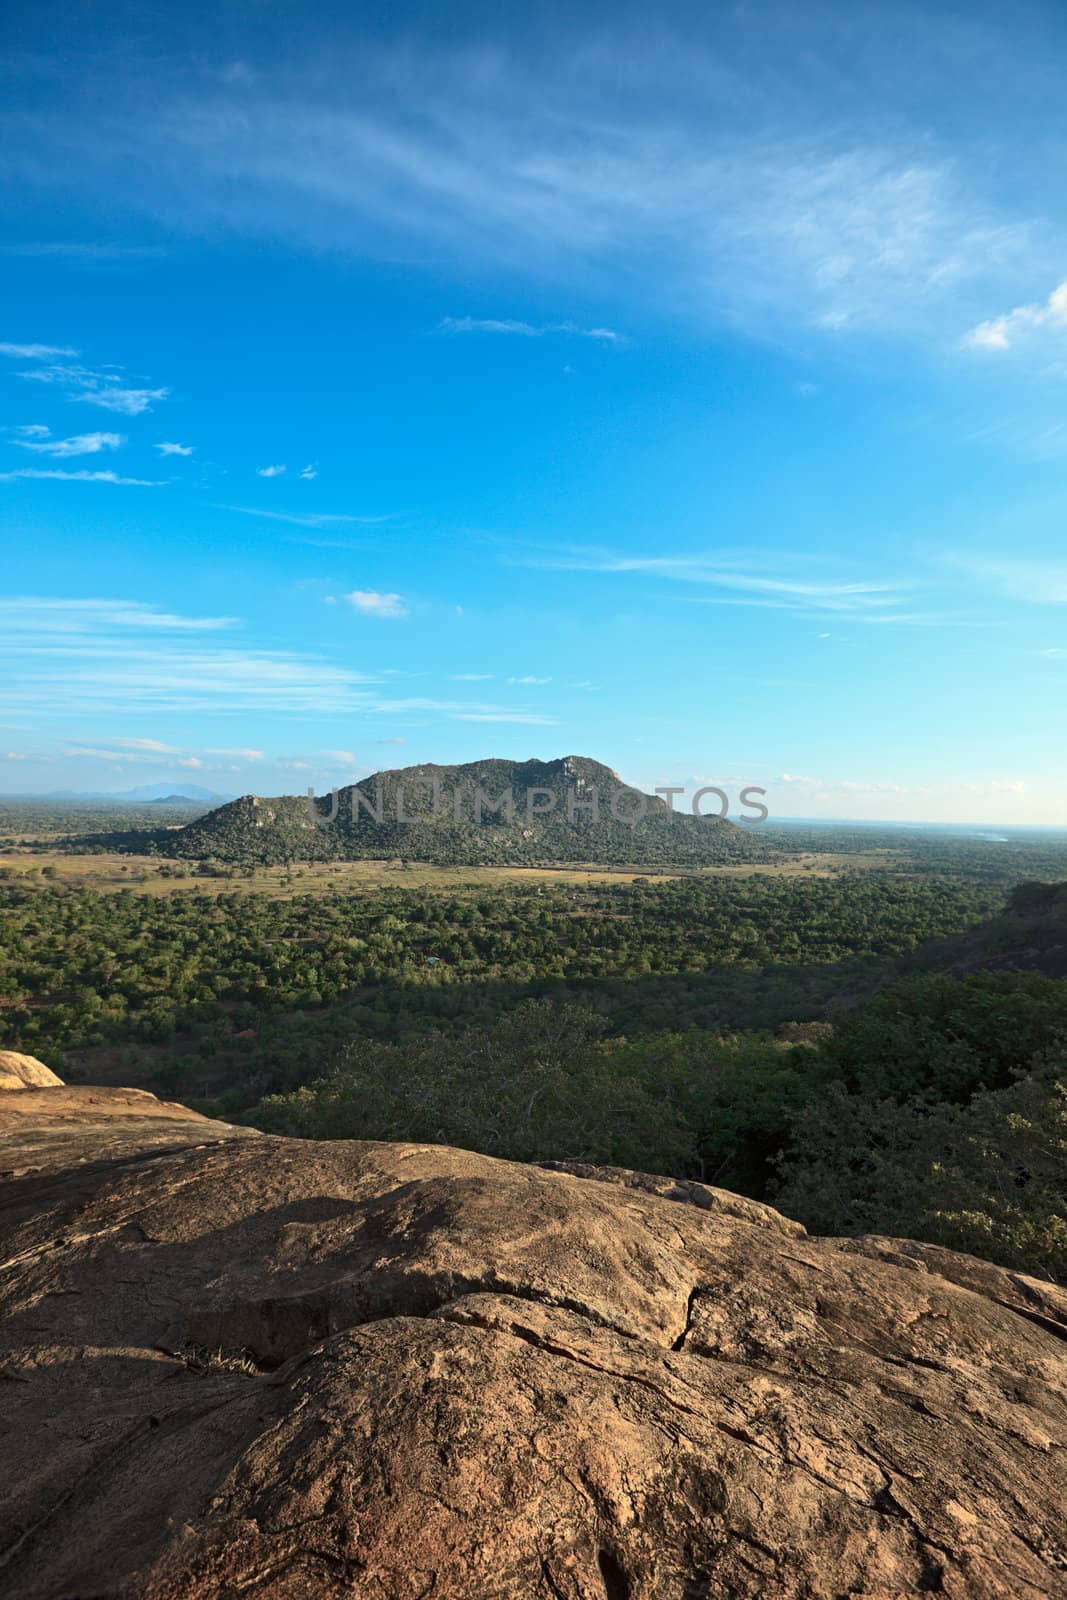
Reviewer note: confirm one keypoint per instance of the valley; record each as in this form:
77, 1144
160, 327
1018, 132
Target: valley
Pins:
693, 1018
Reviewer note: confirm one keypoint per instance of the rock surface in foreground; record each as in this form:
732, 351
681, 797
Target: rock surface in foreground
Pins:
477, 1381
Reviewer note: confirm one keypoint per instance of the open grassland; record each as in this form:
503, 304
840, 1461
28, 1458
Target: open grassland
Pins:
150, 875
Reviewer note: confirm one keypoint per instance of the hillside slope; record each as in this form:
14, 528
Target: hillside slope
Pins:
236, 1364
1029, 935
571, 809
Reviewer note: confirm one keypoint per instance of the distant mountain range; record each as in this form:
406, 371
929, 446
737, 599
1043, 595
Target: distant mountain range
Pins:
490, 812
144, 793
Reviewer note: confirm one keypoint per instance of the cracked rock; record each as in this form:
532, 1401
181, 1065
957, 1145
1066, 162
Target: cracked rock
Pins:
421, 1372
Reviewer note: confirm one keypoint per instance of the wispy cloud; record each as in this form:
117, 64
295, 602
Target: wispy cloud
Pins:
78, 657
270, 472
1000, 333
81, 444
80, 251
1038, 582
534, 719
44, 615
83, 477
525, 330
309, 472
373, 604
307, 519
154, 745
104, 387
75, 657
167, 447
740, 583
755, 203
531, 681
157, 753
35, 352
471, 677
986, 787
130, 402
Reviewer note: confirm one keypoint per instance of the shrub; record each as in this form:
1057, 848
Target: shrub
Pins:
536, 1085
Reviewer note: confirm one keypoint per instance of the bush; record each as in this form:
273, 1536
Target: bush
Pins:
940, 1038
536, 1085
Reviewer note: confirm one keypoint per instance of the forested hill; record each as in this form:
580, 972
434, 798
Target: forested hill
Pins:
484, 812
1029, 935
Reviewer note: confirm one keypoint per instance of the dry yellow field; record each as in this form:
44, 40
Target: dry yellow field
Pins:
150, 875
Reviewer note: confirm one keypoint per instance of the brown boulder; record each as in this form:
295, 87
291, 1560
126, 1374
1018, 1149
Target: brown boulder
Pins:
238, 1365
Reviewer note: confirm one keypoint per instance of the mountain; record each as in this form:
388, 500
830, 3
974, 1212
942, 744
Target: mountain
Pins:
190, 793
310, 1370
570, 809
165, 791
177, 798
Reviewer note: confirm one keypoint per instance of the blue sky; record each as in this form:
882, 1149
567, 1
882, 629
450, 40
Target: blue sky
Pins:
382, 385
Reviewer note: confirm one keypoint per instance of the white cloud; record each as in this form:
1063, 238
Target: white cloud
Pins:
143, 744
33, 430
742, 582
130, 402
168, 448
80, 444
525, 330
522, 718
309, 472
241, 754
531, 681
373, 604
82, 477
1000, 333
270, 472
190, 761
102, 387
307, 519
80, 657
345, 758
50, 616
35, 352
471, 677
612, 162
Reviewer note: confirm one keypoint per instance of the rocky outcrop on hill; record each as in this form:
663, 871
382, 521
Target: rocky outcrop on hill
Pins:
491, 812
237, 1365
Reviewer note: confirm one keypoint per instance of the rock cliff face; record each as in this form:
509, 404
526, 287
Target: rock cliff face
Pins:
234, 1365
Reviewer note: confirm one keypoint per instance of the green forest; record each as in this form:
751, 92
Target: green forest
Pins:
876, 1048
188, 972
